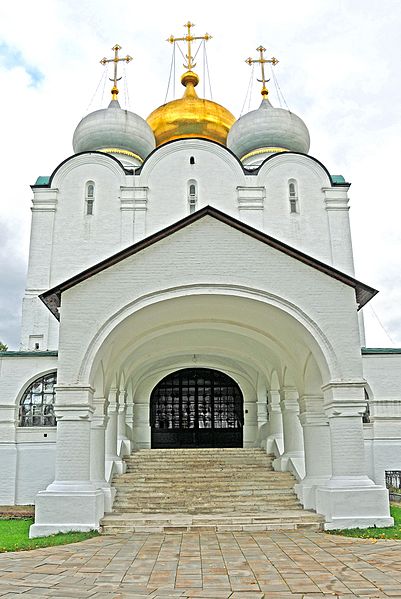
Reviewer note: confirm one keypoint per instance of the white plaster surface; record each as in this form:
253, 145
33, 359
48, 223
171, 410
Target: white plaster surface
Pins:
206, 295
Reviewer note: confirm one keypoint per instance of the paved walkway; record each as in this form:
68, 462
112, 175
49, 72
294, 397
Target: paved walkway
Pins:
275, 565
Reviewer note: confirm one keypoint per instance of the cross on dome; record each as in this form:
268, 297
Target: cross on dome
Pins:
189, 38
262, 61
116, 60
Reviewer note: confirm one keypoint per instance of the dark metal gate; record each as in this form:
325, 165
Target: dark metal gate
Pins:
196, 407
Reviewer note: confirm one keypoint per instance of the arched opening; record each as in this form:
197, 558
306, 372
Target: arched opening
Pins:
196, 407
37, 403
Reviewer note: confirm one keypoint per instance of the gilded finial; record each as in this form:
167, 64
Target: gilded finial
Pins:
189, 76
116, 60
262, 61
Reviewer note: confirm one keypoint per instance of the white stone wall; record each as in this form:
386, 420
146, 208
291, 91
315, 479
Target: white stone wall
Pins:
26, 455
209, 252
383, 436
36, 466
65, 240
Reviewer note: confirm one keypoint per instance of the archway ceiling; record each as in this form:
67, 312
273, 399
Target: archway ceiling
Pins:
255, 336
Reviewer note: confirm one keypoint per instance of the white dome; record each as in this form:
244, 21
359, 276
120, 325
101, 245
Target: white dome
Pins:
268, 130
116, 131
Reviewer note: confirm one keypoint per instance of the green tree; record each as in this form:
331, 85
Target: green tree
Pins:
3, 346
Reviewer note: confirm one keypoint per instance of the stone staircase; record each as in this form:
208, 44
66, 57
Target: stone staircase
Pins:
175, 490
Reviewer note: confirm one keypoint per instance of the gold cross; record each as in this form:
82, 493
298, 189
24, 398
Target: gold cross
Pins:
189, 39
116, 60
262, 61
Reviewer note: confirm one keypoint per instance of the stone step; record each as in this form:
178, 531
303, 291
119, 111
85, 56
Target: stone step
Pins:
280, 494
178, 522
210, 473
200, 451
199, 487
172, 490
174, 501
251, 462
146, 493
209, 483
202, 511
200, 459
206, 509
179, 466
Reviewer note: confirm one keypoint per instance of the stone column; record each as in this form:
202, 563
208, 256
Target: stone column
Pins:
316, 434
71, 502
113, 460
97, 464
292, 431
275, 434
350, 498
122, 438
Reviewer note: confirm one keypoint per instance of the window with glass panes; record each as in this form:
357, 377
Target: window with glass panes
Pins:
37, 404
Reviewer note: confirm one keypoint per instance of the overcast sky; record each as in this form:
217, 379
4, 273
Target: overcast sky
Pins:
339, 70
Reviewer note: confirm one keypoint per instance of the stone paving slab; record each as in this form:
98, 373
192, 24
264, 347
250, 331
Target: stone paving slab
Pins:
207, 565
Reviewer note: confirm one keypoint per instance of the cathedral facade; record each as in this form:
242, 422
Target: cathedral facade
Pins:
191, 284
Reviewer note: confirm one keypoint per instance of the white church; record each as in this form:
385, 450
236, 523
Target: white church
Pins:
191, 286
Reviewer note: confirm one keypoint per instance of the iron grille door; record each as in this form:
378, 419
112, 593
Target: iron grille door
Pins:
196, 407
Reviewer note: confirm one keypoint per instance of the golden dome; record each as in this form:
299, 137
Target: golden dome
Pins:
190, 116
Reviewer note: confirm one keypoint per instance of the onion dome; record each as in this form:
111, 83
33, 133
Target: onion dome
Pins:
190, 116
266, 131
114, 131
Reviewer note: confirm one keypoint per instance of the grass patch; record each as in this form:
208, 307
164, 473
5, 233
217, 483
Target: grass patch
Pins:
392, 532
14, 536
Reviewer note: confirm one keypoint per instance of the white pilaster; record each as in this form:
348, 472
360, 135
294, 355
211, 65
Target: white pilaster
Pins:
336, 200
97, 463
141, 426
140, 206
72, 501
350, 498
251, 205
122, 439
250, 423
292, 429
275, 429
127, 216
35, 317
8, 455
316, 434
113, 460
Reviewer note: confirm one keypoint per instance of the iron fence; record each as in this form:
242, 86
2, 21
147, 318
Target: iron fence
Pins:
393, 483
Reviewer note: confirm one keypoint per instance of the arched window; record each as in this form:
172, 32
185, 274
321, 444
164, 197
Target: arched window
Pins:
192, 196
293, 196
89, 197
192, 160
37, 404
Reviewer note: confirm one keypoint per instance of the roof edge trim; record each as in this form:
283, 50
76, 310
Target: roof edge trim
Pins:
127, 171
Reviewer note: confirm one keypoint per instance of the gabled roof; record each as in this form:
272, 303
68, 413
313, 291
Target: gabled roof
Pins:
52, 297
